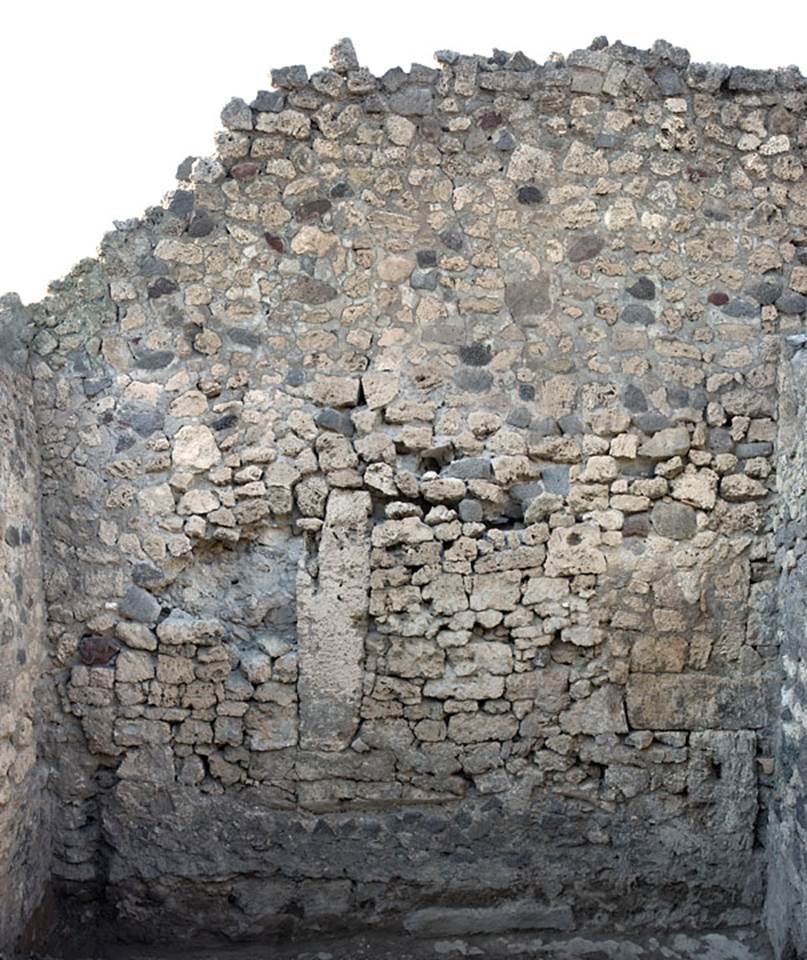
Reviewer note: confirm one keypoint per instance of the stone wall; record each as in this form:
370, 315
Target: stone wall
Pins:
24, 810
787, 861
406, 481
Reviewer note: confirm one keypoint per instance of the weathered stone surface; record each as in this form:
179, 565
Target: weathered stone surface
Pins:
602, 712
466, 921
573, 550
693, 702
331, 624
529, 300
672, 442
586, 248
378, 475
195, 448
138, 604
673, 520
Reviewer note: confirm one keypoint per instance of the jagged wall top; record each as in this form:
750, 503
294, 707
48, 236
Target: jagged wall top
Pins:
609, 70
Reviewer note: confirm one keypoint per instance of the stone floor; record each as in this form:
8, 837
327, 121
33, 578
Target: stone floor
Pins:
738, 944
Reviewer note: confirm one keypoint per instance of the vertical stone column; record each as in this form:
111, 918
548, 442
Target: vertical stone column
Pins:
785, 914
332, 610
24, 810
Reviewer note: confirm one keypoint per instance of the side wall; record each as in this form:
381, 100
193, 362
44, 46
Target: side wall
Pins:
787, 875
24, 815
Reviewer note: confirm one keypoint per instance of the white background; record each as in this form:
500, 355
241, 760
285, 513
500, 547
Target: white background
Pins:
102, 100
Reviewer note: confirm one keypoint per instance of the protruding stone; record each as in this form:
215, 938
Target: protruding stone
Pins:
237, 115
343, 57
138, 604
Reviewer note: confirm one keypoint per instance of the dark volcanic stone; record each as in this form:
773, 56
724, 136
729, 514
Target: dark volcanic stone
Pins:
643, 289
12, 536
470, 468
143, 420
162, 287
584, 249
653, 421
426, 258
751, 81
97, 651
269, 101
571, 425
637, 313
201, 224
762, 448
505, 141
330, 419
295, 378
138, 604
718, 299
144, 575
529, 195
544, 427
412, 101
288, 78
423, 280
477, 355
244, 337
636, 525
555, 479
526, 391
473, 380
312, 209
634, 399
93, 387
677, 397
153, 359
152, 267
341, 189
470, 511
766, 292
791, 302
526, 492
490, 120
184, 169
669, 81
274, 242
225, 422
676, 521
519, 417
607, 141
741, 308
181, 203
719, 440
452, 239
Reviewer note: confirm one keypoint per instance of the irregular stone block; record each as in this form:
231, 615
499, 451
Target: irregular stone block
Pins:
479, 727
694, 701
601, 712
332, 612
